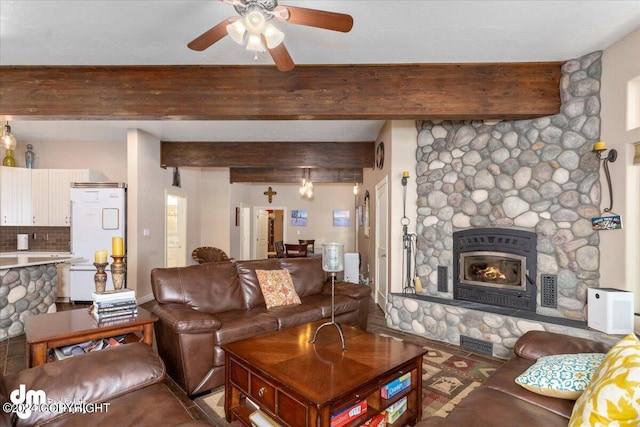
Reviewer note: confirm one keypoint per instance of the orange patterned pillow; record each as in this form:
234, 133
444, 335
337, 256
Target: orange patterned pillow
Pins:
277, 288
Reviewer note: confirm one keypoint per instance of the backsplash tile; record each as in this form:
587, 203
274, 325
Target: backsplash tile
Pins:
47, 239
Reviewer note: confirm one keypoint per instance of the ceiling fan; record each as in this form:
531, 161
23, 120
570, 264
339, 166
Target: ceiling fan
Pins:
253, 29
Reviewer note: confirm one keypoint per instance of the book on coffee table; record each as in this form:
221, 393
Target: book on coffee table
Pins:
260, 419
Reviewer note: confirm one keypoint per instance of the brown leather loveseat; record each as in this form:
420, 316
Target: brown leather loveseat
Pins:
119, 386
501, 402
203, 307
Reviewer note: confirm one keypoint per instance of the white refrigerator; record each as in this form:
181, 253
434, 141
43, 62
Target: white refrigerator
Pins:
98, 213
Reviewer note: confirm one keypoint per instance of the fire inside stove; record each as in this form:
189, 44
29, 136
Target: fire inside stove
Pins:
502, 270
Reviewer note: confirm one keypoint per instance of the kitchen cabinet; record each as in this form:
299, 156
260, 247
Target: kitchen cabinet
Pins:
15, 196
40, 197
59, 185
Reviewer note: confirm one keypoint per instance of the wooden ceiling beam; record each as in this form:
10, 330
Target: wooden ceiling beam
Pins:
337, 92
294, 176
279, 154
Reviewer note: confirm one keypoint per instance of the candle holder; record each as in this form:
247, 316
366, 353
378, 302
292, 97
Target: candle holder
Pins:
100, 278
118, 271
332, 262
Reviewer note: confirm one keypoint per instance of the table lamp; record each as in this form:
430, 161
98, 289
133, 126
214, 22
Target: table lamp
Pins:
332, 262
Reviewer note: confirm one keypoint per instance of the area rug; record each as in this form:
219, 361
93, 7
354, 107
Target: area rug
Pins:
447, 379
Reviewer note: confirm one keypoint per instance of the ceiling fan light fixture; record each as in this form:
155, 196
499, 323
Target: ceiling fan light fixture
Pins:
255, 22
237, 31
273, 36
254, 43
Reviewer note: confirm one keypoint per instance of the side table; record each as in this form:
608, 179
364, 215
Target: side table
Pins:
46, 331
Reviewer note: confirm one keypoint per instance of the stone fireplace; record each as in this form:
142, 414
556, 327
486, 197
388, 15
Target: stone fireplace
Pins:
495, 266
539, 176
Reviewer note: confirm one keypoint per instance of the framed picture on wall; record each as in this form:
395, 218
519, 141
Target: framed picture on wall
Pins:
299, 218
342, 218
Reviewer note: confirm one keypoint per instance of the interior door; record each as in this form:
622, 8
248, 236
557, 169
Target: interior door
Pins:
176, 231
381, 242
262, 234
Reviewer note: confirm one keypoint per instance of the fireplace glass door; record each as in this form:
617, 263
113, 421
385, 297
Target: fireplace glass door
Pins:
495, 269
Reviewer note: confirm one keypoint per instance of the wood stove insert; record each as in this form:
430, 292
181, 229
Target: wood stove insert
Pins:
495, 266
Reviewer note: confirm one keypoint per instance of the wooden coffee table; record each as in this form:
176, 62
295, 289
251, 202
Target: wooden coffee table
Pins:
302, 384
51, 330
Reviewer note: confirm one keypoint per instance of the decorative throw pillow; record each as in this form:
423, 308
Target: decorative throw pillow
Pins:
613, 396
277, 288
562, 375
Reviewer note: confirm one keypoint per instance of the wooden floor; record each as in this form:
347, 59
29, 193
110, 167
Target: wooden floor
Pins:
13, 351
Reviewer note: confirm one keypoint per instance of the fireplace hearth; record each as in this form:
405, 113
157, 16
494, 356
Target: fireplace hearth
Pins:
495, 266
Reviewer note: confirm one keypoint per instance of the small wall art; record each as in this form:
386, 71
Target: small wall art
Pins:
342, 218
299, 218
603, 223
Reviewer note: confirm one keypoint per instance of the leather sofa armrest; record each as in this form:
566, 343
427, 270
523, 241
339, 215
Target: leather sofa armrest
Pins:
184, 319
94, 378
352, 290
535, 344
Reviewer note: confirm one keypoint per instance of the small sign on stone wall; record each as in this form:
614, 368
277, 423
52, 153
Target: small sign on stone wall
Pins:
603, 223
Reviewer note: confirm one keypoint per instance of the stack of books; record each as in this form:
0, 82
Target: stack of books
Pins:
114, 306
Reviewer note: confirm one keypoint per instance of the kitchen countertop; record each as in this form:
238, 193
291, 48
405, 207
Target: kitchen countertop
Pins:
27, 259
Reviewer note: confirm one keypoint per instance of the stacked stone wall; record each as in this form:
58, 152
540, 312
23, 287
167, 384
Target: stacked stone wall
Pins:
539, 175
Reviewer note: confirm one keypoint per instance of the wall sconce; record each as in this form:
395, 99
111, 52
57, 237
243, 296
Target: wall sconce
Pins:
599, 147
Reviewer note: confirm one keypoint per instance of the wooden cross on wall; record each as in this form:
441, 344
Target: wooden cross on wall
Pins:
270, 193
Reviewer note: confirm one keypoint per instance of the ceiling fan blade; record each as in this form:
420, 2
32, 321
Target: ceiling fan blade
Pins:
281, 57
317, 18
211, 36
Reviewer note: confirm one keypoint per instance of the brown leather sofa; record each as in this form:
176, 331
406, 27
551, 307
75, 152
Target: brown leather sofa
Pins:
119, 386
500, 402
203, 307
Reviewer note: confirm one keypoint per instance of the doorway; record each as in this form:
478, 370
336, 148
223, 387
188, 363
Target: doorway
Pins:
275, 228
245, 232
261, 229
175, 230
381, 242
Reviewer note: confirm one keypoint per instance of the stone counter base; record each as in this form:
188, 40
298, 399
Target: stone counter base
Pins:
25, 291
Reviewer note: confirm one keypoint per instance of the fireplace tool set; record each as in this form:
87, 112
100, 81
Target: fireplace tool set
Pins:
409, 245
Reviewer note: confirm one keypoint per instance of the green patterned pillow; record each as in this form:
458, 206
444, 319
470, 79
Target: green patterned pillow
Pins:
613, 396
562, 375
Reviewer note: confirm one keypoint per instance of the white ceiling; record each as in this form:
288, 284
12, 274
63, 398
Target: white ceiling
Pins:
150, 32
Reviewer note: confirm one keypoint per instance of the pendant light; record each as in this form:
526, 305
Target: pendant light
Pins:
306, 187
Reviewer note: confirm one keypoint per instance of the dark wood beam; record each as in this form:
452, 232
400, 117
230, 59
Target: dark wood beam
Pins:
294, 176
350, 155
337, 92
